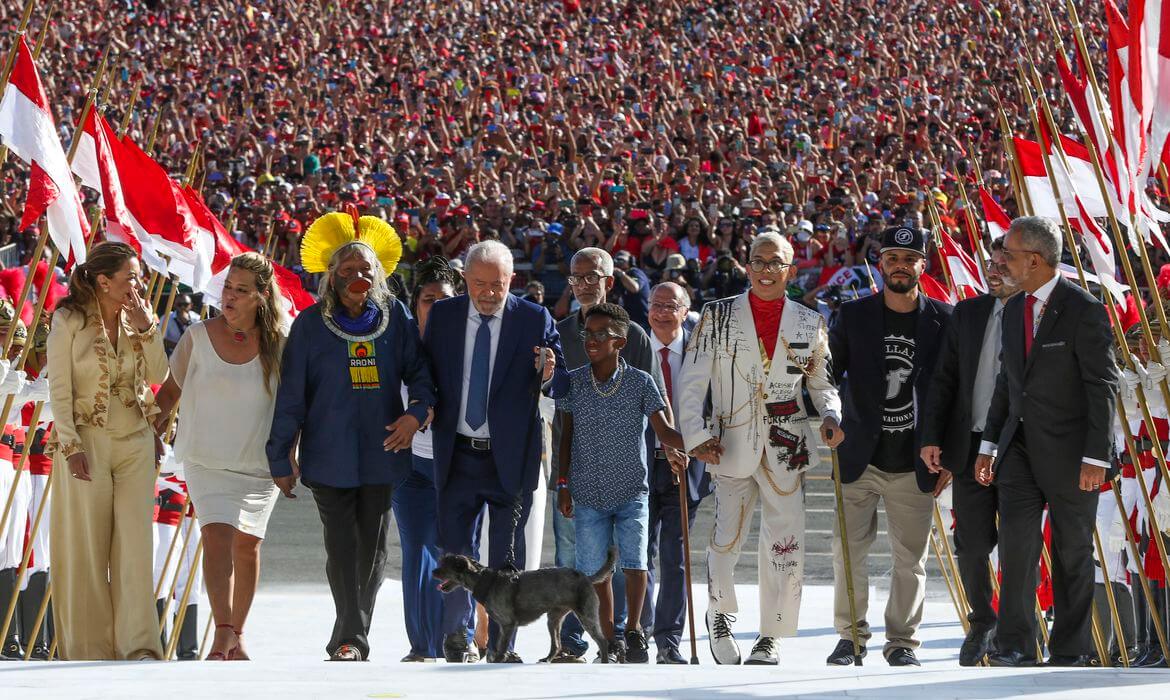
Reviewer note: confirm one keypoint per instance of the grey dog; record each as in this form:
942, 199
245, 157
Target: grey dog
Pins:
515, 600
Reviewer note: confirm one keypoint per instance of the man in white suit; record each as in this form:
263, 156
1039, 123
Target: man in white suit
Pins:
756, 351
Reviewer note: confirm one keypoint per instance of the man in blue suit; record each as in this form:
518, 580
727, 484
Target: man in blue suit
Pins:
492, 354
669, 304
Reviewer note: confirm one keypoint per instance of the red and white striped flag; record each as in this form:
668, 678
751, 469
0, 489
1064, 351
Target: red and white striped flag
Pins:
965, 272
28, 129
997, 220
935, 289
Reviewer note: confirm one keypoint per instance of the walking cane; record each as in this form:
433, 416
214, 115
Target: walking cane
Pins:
844, 535
686, 535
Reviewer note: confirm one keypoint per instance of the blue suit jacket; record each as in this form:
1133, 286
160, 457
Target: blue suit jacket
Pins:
856, 342
512, 403
341, 428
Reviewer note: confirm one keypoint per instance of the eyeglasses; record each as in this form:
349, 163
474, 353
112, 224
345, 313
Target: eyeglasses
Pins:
600, 336
591, 278
1010, 254
758, 265
668, 308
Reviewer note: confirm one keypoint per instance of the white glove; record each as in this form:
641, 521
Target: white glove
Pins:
1152, 378
1161, 504
1164, 351
36, 390
13, 382
5, 368
1130, 380
1116, 537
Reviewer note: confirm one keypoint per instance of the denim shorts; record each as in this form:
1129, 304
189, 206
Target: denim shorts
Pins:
627, 526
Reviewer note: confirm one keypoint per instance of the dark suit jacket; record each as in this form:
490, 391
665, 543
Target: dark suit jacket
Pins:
947, 420
512, 404
698, 480
856, 343
1063, 391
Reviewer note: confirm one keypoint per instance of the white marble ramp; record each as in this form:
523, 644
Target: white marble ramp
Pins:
289, 627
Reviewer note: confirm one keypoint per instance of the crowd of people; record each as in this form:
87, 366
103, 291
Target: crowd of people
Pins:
673, 131
613, 229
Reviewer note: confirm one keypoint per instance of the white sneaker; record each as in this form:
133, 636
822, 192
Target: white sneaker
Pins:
764, 653
723, 645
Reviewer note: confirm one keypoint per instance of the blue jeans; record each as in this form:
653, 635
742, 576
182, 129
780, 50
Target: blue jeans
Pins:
596, 529
415, 505
565, 549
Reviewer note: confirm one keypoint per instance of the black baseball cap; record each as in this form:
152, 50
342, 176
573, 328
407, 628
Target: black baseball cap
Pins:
904, 238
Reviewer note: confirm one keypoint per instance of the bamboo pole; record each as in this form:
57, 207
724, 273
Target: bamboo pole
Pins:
1112, 600
181, 613
162, 617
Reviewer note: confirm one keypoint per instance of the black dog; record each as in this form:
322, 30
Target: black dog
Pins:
516, 599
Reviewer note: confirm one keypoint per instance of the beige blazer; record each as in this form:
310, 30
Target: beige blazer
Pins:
80, 357
756, 409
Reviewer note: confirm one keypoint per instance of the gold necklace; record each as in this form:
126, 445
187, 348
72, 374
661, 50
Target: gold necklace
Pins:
616, 385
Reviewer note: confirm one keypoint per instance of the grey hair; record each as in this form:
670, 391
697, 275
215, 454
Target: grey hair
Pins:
489, 251
1040, 234
783, 247
678, 290
380, 294
601, 258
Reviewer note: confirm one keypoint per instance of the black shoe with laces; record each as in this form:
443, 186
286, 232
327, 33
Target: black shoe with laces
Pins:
843, 654
764, 653
637, 650
901, 656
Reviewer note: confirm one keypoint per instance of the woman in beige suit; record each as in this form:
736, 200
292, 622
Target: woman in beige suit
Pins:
105, 351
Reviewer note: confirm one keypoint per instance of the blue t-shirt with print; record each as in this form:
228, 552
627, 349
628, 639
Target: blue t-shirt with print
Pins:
608, 463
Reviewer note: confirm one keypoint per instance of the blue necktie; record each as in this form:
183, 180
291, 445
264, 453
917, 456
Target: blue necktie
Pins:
477, 387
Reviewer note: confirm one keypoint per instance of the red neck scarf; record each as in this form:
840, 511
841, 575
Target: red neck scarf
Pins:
766, 315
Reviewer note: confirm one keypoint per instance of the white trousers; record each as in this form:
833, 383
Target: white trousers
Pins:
12, 539
780, 558
40, 542
187, 565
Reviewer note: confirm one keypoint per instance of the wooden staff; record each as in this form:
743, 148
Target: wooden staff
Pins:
946, 574
181, 613
977, 243
174, 541
1113, 612
686, 535
10, 612
41, 613
847, 563
960, 590
1132, 538
1119, 335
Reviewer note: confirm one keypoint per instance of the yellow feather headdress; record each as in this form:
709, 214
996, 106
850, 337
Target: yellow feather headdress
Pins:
333, 230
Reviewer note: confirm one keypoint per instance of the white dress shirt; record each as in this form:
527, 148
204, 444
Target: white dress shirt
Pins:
473, 323
1039, 307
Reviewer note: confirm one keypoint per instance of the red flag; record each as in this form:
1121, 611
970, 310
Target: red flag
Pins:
998, 222
935, 290
965, 272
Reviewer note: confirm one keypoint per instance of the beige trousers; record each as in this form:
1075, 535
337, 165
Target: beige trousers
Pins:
908, 515
102, 553
780, 559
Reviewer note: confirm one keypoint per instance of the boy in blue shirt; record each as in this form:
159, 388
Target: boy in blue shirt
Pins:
603, 467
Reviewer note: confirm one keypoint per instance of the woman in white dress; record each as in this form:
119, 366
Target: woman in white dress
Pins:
224, 373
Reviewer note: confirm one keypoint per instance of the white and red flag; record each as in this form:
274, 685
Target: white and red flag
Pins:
998, 222
966, 275
28, 129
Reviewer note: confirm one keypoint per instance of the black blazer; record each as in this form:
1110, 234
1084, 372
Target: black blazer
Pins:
1062, 393
856, 342
947, 420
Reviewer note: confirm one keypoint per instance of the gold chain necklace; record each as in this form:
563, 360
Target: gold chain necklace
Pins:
616, 385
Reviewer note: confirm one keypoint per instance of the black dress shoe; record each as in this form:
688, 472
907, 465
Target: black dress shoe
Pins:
1130, 652
1012, 658
976, 645
1152, 658
1070, 661
901, 656
843, 654
670, 655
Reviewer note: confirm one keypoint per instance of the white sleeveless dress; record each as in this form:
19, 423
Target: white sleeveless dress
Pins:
225, 414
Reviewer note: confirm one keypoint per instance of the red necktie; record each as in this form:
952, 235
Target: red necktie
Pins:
664, 352
1029, 323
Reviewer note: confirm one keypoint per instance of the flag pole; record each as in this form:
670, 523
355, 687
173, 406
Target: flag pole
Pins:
1132, 539
976, 231
1023, 199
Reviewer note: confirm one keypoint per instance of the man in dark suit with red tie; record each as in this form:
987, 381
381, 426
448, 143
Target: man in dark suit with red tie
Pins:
1047, 443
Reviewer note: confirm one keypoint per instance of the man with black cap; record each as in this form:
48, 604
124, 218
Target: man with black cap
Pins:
884, 347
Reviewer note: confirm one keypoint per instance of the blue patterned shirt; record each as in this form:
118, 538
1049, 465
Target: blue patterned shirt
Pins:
608, 463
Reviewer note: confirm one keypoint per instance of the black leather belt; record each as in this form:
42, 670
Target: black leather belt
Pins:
660, 454
474, 443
